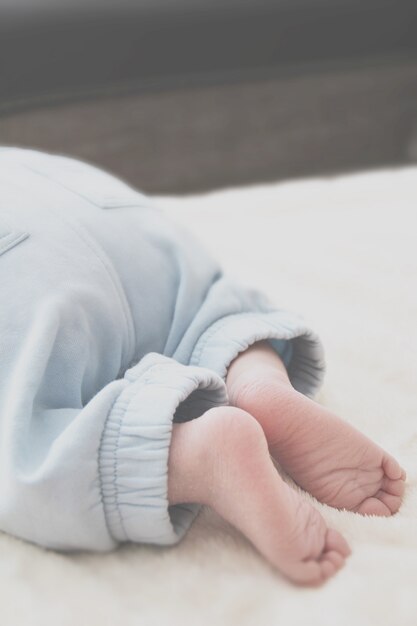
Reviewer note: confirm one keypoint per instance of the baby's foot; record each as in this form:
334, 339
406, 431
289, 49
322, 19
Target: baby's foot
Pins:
324, 455
226, 454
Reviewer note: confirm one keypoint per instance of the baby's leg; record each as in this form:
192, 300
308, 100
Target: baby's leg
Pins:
323, 454
221, 459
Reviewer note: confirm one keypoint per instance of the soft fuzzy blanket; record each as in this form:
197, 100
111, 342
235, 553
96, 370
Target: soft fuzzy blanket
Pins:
343, 252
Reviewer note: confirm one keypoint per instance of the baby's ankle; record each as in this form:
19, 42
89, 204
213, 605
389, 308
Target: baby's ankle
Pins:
267, 394
251, 369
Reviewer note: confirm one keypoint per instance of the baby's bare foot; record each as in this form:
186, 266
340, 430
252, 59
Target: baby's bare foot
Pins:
325, 455
221, 459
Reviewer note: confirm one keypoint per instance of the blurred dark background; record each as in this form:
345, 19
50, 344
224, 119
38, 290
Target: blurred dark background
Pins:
182, 95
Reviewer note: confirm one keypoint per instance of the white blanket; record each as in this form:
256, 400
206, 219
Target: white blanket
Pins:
343, 252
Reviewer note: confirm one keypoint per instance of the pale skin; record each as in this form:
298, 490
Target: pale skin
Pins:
223, 460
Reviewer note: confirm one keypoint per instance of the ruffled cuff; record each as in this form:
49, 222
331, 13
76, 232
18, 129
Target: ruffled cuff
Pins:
299, 347
135, 447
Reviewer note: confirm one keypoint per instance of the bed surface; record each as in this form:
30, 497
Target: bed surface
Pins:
342, 251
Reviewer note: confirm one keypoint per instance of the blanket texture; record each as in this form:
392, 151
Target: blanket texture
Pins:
342, 252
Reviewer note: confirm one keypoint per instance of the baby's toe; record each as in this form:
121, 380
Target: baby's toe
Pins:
392, 502
393, 487
328, 569
335, 542
314, 572
306, 573
373, 506
329, 564
335, 558
392, 468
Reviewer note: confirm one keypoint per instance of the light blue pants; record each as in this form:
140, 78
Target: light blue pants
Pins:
113, 322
